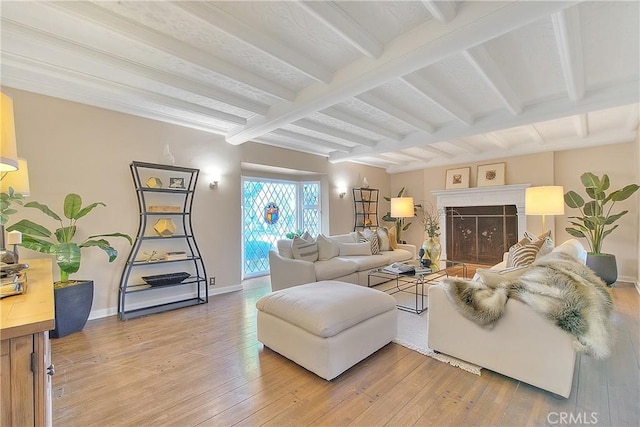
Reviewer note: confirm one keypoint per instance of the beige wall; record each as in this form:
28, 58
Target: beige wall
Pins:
77, 148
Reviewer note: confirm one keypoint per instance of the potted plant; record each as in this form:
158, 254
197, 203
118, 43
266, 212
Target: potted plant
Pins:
399, 222
73, 298
596, 220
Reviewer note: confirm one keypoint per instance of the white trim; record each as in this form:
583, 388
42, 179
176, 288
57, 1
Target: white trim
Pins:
486, 196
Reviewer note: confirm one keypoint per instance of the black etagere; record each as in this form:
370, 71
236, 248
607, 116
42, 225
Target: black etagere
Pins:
149, 179
365, 201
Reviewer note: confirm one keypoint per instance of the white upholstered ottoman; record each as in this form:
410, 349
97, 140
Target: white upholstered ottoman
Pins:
326, 327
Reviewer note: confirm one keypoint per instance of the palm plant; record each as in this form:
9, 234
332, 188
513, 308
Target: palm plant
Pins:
596, 220
60, 242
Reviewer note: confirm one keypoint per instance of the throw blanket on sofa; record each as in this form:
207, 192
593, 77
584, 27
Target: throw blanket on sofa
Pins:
556, 286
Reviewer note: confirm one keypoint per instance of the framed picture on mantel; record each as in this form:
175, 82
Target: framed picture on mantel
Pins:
492, 174
457, 178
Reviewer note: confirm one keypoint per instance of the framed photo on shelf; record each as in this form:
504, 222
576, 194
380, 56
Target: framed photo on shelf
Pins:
457, 178
176, 183
491, 174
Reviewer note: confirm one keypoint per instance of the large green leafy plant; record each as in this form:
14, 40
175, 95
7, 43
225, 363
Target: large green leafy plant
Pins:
60, 242
597, 218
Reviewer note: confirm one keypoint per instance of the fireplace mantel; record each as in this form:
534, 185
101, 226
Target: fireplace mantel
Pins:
481, 196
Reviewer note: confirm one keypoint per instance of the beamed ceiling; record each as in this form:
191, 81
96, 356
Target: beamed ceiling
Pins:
401, 85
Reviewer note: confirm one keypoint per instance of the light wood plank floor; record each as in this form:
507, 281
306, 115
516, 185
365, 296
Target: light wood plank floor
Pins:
203, 366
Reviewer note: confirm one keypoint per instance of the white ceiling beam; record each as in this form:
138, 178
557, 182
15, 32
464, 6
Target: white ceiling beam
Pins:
463, 145
393, 158
476, 23
486, 67
339, 114
598, 99
535, 133
496, 140
332, 15
336, 133
566, 27
394, 111
634, 118
418, 154
438, 97
229, 24
169, 79
125, 90
581, 123
293, 145
443, 11
310, 140
438, 152
165, 43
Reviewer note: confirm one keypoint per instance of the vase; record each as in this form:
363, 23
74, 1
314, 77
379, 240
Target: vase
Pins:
433, 249
604, 265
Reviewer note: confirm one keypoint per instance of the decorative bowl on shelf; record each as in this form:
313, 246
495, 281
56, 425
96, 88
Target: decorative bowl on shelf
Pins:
166, 279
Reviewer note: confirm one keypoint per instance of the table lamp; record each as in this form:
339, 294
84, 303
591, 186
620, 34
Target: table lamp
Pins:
544, 200
401, 207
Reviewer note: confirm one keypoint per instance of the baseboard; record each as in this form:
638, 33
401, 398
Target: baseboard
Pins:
112, 311
629, 279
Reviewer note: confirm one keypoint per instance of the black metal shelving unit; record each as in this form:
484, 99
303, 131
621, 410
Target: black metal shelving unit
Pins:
196, 285
365, 205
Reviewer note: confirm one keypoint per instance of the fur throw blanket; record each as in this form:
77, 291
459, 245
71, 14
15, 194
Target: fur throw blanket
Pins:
556, 286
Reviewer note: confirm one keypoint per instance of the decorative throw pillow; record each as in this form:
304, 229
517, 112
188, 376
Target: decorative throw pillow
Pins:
522, 255
393, 239
547, 242
493, 278
383, 239
306, 236
353, 249
306, 251
326, 248
371, 237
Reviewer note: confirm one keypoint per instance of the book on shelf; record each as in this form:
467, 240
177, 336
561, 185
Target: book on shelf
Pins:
176, 255
399, 268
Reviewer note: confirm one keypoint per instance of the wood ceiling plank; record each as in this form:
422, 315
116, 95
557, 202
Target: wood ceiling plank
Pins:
310, 140
165, 43
346, 117
476, 23
394, 111
336, 133
438, 97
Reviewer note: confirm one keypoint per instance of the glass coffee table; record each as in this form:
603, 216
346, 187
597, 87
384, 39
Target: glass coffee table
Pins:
414, 284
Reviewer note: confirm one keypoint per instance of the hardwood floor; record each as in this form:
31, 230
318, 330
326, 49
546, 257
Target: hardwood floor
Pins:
203, 365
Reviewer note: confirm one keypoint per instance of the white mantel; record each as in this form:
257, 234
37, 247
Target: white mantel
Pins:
481, 196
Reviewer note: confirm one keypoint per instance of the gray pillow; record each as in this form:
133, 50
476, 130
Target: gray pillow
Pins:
306, 251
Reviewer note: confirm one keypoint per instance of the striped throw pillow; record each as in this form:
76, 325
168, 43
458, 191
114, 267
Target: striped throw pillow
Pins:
306, 251
370, 237
523, 254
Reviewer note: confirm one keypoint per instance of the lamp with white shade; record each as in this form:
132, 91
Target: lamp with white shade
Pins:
401, 207
8, 151
544, 200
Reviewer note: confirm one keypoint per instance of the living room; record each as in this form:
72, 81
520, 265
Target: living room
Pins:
81, 147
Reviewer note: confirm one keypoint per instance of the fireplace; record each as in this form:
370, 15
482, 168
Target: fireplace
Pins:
480, 234
495, 206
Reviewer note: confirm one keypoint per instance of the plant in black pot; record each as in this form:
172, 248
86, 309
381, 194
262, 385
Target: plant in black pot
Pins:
73, 298
596, 220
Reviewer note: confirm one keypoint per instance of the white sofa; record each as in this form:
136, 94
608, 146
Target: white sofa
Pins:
286, 271
521, 345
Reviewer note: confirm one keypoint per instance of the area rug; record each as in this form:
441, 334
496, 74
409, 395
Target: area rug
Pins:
412, 332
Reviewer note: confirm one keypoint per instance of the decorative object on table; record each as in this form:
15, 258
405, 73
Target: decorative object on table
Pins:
166, 279
544, 200
164, 208
491, 174
13, 279
165, 227
401, 208
429, 217
153, 182
596, 220
73, 298
14, 186
176, 183
365, 183
151, 256
175, 255
14, 238
457, 178
167, 157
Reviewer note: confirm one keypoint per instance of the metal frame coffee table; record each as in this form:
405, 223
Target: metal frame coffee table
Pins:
415, 283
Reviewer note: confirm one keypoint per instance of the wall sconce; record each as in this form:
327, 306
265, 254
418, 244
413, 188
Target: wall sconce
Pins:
214, 176
342, 194
342, 191
213, 185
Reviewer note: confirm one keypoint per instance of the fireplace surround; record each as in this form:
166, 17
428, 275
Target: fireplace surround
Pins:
481, 196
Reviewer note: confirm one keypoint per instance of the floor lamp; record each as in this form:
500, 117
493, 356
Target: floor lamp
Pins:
544, 200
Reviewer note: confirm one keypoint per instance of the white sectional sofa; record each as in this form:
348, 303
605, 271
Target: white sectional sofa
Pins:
347, 266
522, 344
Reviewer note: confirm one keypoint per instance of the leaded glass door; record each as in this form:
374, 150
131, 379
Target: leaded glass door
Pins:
271, 209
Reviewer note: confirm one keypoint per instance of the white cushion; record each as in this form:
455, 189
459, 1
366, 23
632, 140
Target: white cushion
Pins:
284, 248
343, 238
397, 255
347, 249
368, 262
383, 239
306, 251
326, 308
333, 268
573, 248
326, 248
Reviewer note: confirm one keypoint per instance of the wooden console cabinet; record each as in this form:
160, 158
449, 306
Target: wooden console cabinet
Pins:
25, 353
